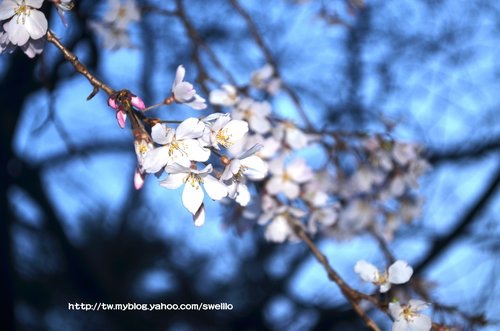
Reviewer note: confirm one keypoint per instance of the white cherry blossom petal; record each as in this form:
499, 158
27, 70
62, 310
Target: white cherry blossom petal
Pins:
156, 160
215, 189
195, 151
34, 3
199, 216
174, 180
367, 271
7, 9
18, 35
420, 323
190, 128
36, 24
400, 272
192, 196
255, 167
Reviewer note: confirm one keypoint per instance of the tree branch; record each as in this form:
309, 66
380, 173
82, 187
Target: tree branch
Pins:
442, 243
80, 67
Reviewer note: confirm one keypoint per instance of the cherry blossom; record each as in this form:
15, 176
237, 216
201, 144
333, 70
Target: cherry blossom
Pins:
287, 180
224, 130
25, 20
246, 164
255, 113
398, 273
227, 96
183, 92
192, 195
407, 317
291, 135
113, 38
264, 78
179, 145
278, 218
120, 15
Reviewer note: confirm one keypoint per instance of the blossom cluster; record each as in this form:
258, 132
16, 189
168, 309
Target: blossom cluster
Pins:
23, 24
374, 192
248, 157
245, 152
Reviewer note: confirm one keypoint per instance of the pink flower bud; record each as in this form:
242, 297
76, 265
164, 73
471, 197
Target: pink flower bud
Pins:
121, 117
112, 102
138, 179
138, 103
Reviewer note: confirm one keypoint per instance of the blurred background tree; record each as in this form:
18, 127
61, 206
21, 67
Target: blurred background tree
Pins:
75, 230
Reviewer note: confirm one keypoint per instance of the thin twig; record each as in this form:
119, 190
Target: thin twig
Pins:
80, 67
270, 59
199, 42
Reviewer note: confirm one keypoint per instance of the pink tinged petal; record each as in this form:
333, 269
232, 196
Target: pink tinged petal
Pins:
36, 24
259, 124
199, 217
190, 128
215, 189
198, 103
400, 272
112, 102
219, 97
155, 160
291, 190
7, 9
420, 323
138, 179
138, 103
274, 185
296, 138
174, 181
34, 3
18, 35
278, 230
179, 76
299, 171
276, 166
184, 92
367, 271
33, 47
192, 196
121, 117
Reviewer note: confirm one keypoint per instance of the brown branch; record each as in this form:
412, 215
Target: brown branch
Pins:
199, 42
353, 296
80, 67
